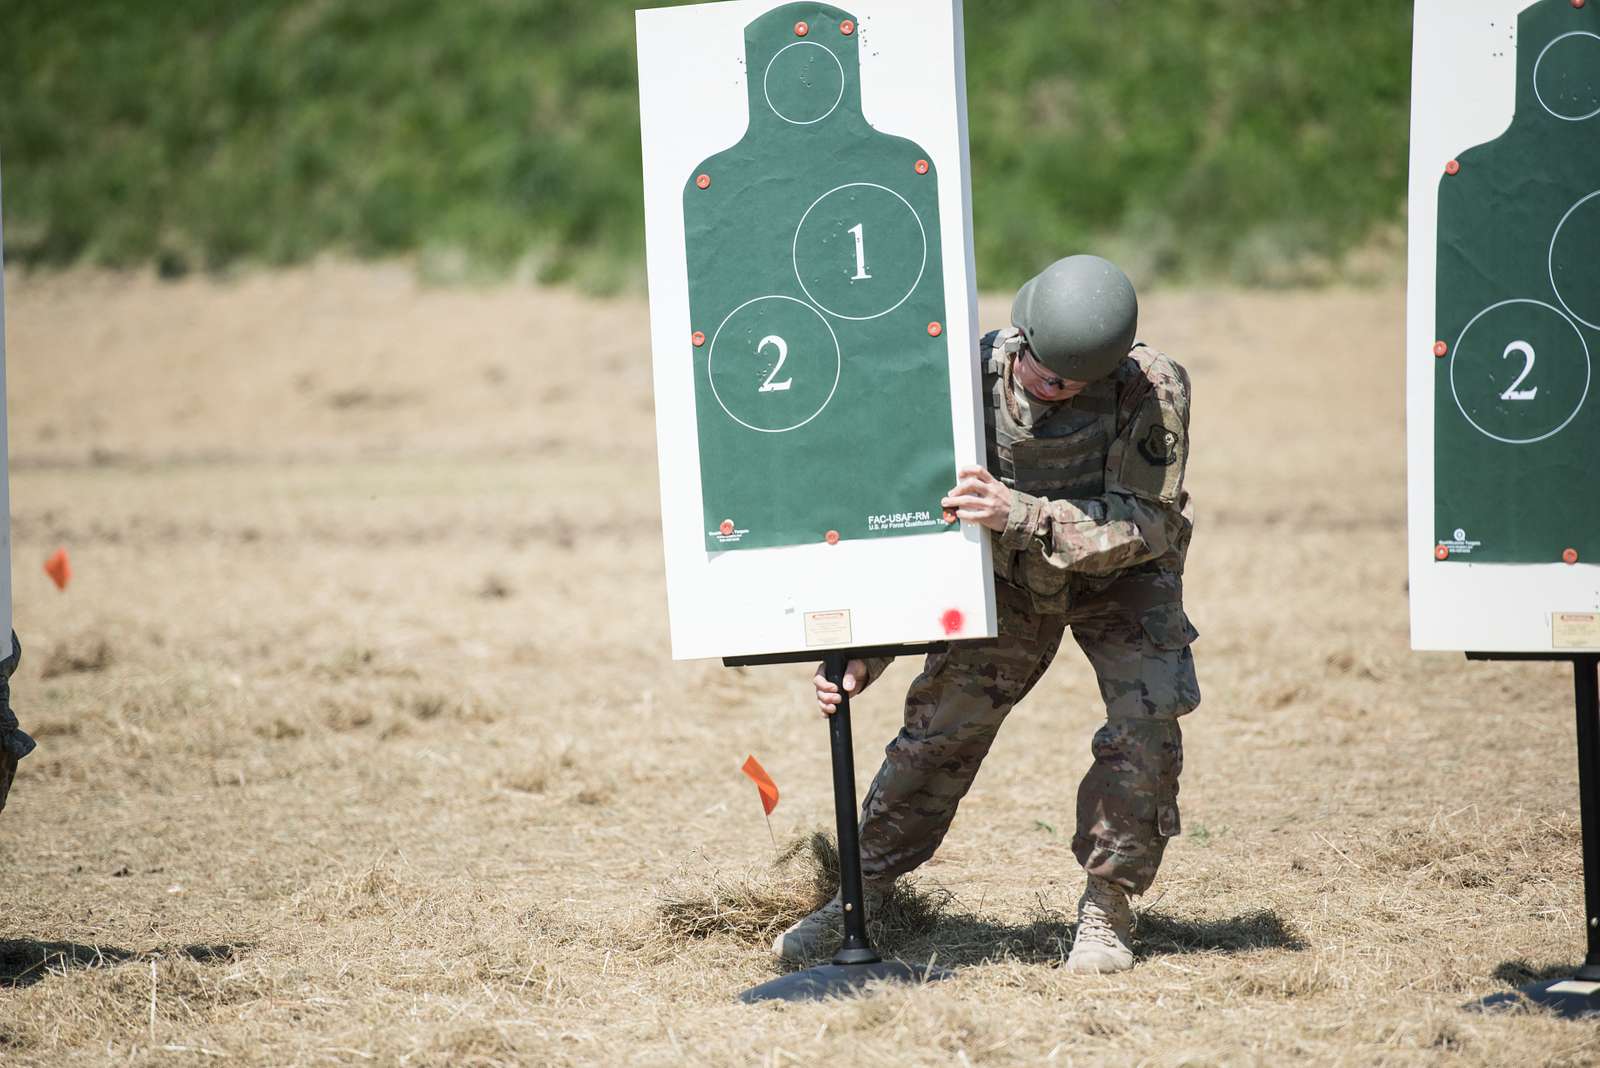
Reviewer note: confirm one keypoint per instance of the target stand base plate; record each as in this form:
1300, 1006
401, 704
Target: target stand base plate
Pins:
1571, 999
841, 980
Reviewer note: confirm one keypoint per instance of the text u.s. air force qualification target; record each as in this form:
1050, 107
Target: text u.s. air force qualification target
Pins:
816, 290
1517, 419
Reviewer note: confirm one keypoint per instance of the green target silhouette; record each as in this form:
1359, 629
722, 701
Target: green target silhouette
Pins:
1517, 420
816, 289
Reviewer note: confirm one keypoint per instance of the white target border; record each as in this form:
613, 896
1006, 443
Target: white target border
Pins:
1588, 369
921, 271
838, 364
1464, 93
699, 92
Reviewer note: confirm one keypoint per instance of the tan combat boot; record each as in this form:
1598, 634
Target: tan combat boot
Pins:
820, 933
1105, 926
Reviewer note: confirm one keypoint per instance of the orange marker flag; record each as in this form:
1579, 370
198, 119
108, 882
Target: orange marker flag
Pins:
769, 792
59, 568
764, 783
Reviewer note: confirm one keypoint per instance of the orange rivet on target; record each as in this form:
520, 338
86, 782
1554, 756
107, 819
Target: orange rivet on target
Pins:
704, 181
935, 329
832, 537
726, 528
922, 166
1441, 349
1441, 553
1570, 556
699, 339
1453, 167
847, 27
1577, 3
801, 29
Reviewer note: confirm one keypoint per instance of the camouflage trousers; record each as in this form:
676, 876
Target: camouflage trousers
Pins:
1137, 638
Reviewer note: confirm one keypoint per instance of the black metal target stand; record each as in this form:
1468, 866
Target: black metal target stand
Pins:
1579, 995
856, 964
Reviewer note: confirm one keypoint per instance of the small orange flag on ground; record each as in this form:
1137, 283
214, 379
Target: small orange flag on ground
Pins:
764, 783
59, 568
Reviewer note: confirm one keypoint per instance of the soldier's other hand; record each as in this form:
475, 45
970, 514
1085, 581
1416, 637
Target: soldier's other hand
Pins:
855, 680
980, 498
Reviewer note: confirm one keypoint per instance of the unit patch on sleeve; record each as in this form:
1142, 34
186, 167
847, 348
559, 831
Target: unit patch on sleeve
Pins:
1160, 446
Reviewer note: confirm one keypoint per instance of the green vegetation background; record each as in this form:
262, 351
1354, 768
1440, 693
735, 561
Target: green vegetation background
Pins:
1247, 138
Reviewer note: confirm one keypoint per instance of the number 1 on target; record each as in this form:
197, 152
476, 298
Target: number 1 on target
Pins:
860, 230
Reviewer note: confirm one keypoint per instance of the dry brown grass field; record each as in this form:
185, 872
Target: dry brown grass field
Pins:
359, 740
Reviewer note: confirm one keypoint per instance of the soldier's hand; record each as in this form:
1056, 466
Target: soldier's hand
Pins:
855, 681
980, 498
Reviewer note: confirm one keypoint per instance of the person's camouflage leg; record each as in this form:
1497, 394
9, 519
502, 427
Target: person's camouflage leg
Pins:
952, 713
14, 744
1128, 801
8, 772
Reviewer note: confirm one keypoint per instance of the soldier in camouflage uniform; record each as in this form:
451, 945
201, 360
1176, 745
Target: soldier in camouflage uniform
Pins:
14, 745
1088, 436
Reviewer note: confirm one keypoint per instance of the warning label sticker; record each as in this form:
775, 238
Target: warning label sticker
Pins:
1575, 630
827, 629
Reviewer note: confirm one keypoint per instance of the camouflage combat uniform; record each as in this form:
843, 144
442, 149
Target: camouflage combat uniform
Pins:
14, 745
1095, 542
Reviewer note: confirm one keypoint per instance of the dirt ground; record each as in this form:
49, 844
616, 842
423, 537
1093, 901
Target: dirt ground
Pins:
359, 741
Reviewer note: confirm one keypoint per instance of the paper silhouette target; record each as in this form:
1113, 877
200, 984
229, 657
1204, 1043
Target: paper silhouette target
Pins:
814, 264
814, 324
1517, 427
1503, 327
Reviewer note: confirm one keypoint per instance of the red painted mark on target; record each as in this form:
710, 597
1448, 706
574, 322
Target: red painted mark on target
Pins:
953, 621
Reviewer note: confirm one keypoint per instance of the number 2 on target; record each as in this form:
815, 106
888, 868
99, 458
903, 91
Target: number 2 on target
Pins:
776, 342
1525, 350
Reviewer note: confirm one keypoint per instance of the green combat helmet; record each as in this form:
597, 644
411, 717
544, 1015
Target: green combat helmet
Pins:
1079, 317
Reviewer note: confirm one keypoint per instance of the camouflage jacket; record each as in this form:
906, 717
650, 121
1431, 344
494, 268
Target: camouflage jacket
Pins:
1097, 480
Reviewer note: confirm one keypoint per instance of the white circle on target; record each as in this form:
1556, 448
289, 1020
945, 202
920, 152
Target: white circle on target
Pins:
1552, 260
838, 366
1588, 374
1540, 61
922, 268
766, 87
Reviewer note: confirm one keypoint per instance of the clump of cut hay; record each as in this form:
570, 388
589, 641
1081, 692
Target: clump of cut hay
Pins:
752, 908
84, 655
